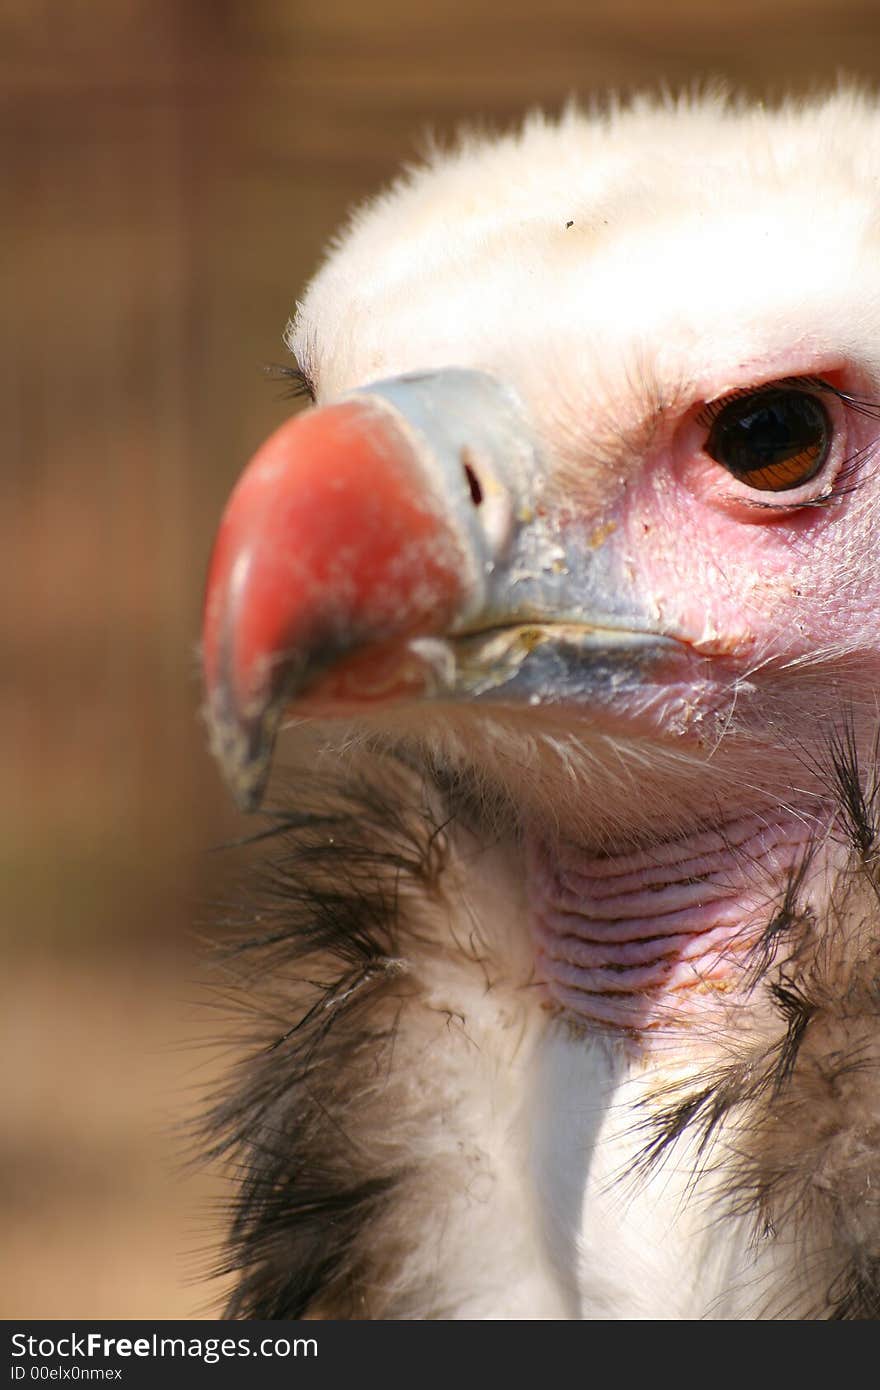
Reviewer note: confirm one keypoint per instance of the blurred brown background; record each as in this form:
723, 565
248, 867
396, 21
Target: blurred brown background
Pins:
171, 171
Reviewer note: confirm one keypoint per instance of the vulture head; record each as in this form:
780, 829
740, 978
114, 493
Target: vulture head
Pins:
564, 600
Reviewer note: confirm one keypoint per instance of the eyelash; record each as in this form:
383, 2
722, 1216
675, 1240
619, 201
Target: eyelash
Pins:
298, 383
848, 469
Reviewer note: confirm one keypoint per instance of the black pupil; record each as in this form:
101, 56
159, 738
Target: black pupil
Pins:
759, 432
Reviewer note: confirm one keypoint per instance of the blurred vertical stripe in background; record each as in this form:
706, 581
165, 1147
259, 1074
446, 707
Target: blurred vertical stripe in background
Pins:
172, 169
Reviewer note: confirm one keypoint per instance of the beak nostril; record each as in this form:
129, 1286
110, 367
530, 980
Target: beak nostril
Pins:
486, 491
473, 483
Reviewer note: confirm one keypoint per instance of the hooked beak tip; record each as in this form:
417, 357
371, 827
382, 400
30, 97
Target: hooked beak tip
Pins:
353, 531
243, 749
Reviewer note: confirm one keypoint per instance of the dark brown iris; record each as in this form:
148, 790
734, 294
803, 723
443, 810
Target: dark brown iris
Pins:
771, 440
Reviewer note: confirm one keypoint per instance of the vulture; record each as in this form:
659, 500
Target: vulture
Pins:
562, 601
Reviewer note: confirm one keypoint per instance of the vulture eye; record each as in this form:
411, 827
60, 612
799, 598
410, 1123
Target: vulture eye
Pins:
772, 439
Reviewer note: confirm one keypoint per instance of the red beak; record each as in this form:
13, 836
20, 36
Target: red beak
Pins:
334, 541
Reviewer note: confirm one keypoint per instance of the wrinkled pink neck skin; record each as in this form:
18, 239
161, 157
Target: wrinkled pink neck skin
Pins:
657, 937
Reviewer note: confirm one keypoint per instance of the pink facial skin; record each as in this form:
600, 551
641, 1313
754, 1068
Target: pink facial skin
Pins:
757, 575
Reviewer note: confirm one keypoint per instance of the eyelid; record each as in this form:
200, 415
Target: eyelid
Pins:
712, 409
845, 481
